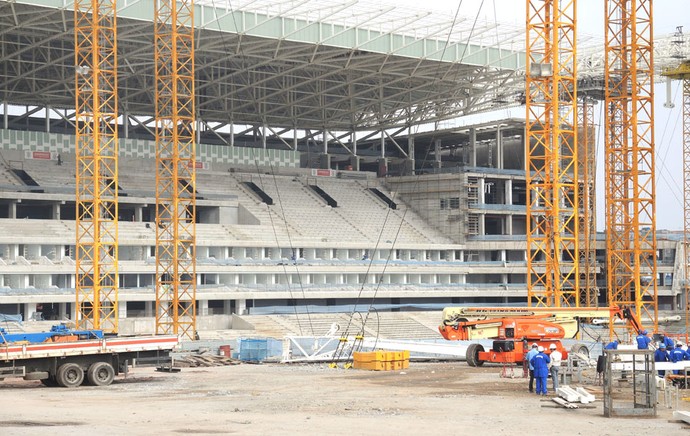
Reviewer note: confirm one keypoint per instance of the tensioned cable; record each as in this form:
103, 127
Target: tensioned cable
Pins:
256, 162
391, 251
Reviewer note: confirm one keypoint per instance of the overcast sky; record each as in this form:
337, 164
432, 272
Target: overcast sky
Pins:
668, 14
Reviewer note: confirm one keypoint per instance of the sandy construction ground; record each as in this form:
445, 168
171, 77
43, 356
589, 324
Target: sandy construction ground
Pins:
427, 398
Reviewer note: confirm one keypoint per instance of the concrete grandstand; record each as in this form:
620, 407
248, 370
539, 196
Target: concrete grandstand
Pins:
320, 185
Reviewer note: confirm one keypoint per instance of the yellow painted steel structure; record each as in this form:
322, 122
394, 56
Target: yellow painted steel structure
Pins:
587, 202
175, 168
630, 184
95, 40
682, 72
552, 161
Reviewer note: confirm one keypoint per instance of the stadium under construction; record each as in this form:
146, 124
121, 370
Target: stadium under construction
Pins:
330, 171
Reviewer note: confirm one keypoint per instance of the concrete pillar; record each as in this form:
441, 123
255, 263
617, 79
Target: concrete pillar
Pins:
509, 191
473, 147
56, 211
203, 307
12, 210
122, 309
263, 136
5, 115
29, 309
232, 134
325, 161
383, 144
353, 139
437, 153
480, 188
148, 308
383, 167
138, 213
325, 141
62, 311
241, 307
354, 163
482, 224
499, 148
509, 224
227, 307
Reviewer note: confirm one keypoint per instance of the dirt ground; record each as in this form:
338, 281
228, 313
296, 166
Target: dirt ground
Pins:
247, 399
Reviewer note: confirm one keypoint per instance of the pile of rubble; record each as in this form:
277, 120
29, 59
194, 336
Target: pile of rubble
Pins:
204, 359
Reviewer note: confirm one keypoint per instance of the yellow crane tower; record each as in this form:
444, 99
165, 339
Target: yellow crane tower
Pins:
95, 41
629, 154
682, 72
175, 168
552, 155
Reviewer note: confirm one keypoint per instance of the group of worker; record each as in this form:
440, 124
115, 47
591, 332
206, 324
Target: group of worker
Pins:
541, 365
666, 350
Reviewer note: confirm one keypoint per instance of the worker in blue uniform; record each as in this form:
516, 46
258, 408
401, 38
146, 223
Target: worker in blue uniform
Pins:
661, 355
667, 341
540, 362
677, 355
530, 354
643, 340
613, 345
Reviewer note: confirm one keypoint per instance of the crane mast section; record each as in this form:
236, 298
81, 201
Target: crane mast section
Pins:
95, 39
175, 168
629, 166
552, 155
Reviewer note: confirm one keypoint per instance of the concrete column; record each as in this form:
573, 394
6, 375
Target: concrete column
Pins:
122, 309
383, 144
227, 307
29, 309
125, 121
203, 307
353, 136
473, 147
499, 148
503, 255
480, 188
12, 210
138, 213
56, 211
232, 134
325, 141
509, 224
509, 191
5, 116
437, 153
263, 137
62, 310
47, 119
241, 307
482, 224
148, 308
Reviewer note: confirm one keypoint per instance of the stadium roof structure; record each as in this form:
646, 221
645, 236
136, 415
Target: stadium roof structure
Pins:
330, 66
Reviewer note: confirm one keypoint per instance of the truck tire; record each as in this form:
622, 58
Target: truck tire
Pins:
100, 374
472, 355
69, 375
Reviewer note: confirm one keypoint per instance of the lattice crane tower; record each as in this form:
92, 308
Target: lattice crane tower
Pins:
552, 156
95, 37
630, 184
175, 168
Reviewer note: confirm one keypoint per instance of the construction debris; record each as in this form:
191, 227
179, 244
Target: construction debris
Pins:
564, 403
203, 360
579, 395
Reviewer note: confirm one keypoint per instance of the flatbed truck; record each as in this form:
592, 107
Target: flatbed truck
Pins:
70, 358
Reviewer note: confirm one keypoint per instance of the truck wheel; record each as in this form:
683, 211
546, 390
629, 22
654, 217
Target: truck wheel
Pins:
69, 375
472, 355
100, 374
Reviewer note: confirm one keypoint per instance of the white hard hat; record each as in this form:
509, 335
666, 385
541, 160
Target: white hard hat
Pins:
534, 345
552, 346
540, 349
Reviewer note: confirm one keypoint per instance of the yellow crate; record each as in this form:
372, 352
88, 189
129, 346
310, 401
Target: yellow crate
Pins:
371, 366
370, 356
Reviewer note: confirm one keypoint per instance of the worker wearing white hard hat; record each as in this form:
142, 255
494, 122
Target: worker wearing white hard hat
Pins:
528, 358
540, 362
556, 359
